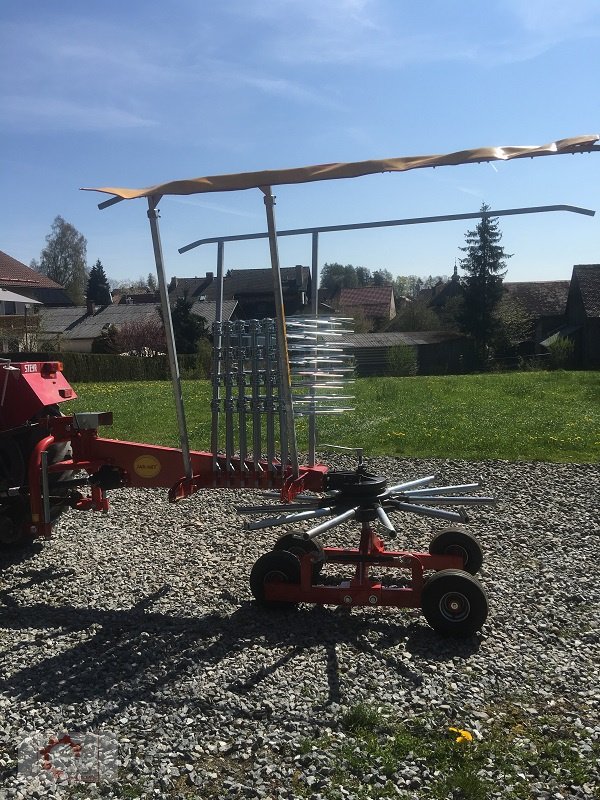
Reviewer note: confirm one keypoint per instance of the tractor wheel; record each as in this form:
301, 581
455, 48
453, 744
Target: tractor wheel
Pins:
296, 543
15, 451
275, 566
455, 541
454, 603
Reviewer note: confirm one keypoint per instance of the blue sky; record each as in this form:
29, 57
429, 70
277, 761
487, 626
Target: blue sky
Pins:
134, 93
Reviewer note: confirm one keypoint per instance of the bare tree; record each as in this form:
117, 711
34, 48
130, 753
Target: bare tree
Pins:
142, 337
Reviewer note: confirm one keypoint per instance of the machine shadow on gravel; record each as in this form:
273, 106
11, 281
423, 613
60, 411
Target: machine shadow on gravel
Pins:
140, 654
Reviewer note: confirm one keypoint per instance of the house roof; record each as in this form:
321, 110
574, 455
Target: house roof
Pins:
192, 288
395, 338
75, 323
373, 300
541, 298
588, 278
208, 310
129, 298
15, 274
243, 282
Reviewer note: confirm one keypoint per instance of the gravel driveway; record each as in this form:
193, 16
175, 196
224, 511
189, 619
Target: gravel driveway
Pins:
141, 623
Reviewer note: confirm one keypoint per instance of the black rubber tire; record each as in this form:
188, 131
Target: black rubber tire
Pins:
454, 603
296, 543
455, 541
276, 565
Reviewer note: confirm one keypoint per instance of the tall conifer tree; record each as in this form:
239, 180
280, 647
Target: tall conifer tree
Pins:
98, 290
485, 265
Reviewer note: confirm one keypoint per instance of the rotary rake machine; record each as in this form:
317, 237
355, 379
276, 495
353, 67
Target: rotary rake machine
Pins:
266, 373
52, 462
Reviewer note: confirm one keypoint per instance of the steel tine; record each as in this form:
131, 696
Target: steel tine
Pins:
385, 521
438, 513
285, 519
432, 490
287, 507
454, 501
409, 485
331, 523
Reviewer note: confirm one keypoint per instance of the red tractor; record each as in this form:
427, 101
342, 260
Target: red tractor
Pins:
49, 462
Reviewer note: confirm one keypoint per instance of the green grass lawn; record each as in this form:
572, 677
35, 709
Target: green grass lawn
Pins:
529, 416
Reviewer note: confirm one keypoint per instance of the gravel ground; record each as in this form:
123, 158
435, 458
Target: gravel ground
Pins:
141, 623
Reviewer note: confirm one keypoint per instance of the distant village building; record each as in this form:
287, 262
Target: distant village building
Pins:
375, 303
16, 277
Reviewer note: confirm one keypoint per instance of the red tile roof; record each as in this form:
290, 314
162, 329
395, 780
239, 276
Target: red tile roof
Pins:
13, 273
375, 301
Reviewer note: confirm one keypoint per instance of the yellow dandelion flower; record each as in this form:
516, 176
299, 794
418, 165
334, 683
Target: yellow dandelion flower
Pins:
463, 736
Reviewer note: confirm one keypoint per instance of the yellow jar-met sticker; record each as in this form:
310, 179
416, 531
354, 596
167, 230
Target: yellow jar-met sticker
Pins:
146, 466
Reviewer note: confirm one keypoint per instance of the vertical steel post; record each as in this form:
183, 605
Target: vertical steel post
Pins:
282, 351
153, 216
314, 277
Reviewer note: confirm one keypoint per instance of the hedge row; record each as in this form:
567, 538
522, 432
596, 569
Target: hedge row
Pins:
97, 368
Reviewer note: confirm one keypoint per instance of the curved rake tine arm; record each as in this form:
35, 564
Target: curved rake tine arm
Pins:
288, 508
285, 519
401, 487
443, 500
331, 523
431, 490
437, 513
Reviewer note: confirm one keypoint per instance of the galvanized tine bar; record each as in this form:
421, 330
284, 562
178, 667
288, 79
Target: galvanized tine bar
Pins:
241, 398
266, 327
229, 405
256, 400
216, 398
283, 421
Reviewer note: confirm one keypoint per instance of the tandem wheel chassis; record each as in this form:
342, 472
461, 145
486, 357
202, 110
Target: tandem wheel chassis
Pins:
440, 582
